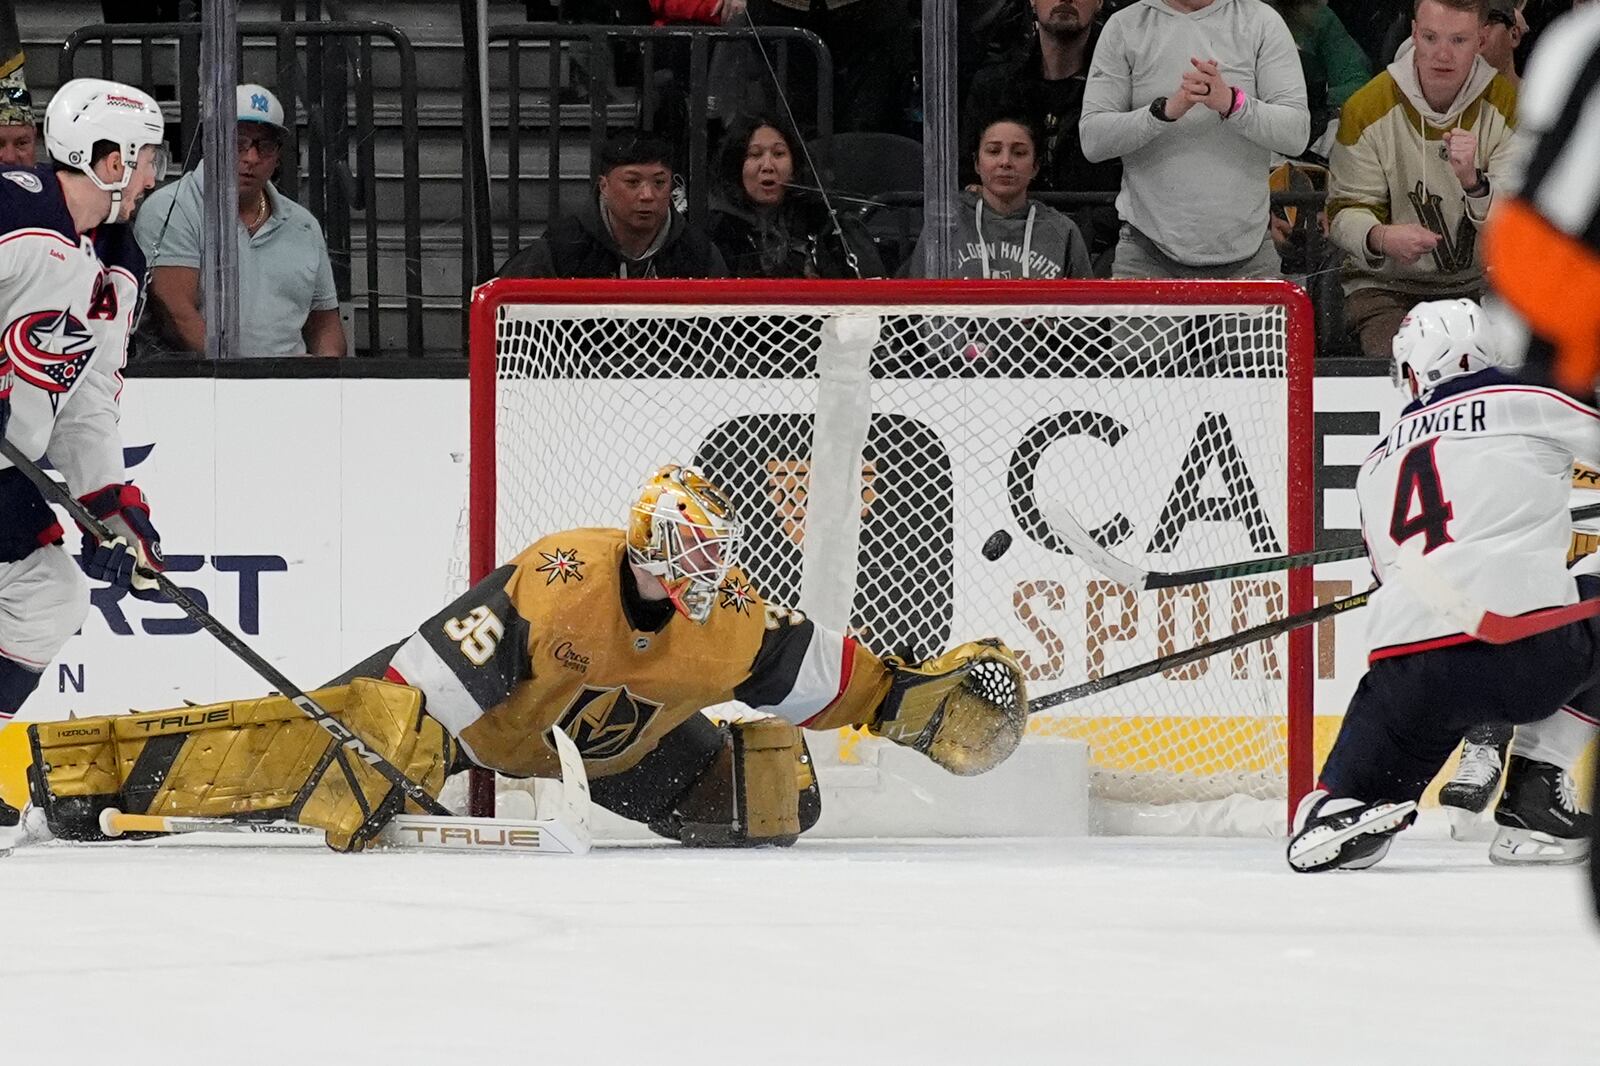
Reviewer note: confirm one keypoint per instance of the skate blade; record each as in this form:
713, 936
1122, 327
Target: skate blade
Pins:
1322, 846
1478, 828
1527, 847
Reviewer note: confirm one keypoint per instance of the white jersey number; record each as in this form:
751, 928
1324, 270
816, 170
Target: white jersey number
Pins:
477, 634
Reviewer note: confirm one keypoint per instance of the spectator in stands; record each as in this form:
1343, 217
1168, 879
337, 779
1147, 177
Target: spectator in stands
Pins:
630, 230
1047, 80
19, 136
1000, 232
1496, 46
704, 12
1420, 150
1195, 96
1502, 36
1333, 63
768, 220
289, 304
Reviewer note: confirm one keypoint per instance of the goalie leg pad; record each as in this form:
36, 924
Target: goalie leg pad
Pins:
251, 758
758, 790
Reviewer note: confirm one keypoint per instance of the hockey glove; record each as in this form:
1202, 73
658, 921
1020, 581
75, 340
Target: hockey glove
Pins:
127, 560
966, 709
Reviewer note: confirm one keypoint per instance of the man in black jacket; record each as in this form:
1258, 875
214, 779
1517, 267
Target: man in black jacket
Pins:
629, 230
1046, 83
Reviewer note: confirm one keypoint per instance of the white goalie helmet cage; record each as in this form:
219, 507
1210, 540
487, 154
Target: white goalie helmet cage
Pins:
1440, 340
682, 529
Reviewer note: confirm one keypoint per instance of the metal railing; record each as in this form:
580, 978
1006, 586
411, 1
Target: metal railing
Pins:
341, 55
652, 42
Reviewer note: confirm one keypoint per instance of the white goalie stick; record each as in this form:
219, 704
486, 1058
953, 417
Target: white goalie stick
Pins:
1085, 547
566, 832
1423, 580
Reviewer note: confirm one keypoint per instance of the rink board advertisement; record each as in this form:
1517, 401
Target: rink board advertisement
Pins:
321, 519
313, 517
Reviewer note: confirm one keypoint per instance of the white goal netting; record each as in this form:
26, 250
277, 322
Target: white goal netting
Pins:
874, 448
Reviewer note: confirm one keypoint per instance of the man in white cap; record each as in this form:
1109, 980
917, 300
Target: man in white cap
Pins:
287, 301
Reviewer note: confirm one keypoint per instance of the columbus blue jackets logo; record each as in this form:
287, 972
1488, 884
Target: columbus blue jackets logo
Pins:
604, 722
24, 179
49, 349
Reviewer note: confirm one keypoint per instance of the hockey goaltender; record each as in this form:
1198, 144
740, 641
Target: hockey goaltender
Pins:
619, 638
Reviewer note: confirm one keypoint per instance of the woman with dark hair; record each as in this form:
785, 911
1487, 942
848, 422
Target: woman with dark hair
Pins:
1000, 231
769, 223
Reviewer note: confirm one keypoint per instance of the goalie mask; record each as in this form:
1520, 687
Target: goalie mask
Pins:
1440, 340
681, 529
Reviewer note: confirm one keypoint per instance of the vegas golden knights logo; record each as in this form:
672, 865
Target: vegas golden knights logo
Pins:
1455, 251
604, 722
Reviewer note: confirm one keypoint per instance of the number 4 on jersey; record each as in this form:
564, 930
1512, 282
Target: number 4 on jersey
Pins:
1419, 488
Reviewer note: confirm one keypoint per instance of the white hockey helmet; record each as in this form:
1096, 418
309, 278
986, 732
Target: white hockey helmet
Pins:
1440, 340
86, 111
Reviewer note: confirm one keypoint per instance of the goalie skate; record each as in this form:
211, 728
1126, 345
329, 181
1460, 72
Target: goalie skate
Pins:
1344, 833
1538, 817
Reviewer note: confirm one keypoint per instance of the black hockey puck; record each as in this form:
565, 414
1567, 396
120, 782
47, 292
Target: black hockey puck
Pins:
996, 545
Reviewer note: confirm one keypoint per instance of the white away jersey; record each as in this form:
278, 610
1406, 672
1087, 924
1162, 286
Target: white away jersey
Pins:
1482, 473
67, 305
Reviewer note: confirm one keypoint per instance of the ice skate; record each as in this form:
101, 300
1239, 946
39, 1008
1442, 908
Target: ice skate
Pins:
1465, 797
1538, 816
1344, 834
1483, 755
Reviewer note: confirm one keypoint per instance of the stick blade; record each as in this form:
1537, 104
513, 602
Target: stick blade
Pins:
574, 793
1085, 547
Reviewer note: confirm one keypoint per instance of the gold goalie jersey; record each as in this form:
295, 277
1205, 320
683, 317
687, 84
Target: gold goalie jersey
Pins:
560, 637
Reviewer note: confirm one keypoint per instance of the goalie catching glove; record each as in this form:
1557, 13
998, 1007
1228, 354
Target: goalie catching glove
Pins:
134, 554
966, 709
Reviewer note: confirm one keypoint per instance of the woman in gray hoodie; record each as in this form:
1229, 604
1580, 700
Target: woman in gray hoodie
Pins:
1000, 232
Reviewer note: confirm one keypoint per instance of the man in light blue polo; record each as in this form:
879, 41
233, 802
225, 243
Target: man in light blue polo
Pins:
287, 302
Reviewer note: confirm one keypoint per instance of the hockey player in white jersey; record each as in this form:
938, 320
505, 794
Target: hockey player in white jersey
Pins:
70, 287
1476, 470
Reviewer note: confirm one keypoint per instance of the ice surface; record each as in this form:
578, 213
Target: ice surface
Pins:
1086, 951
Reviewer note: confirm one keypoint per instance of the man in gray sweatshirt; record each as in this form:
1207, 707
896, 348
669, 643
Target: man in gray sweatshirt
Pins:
1195, 97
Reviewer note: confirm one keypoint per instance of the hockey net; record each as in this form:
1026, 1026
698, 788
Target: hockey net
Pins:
876, 436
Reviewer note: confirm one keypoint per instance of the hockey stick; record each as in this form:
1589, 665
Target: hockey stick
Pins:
309, 707
1413, 570
1263, 631
1083, 545
566, 833
409, 831
114, 823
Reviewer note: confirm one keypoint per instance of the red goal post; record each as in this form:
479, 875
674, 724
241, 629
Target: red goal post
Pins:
1174, 418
